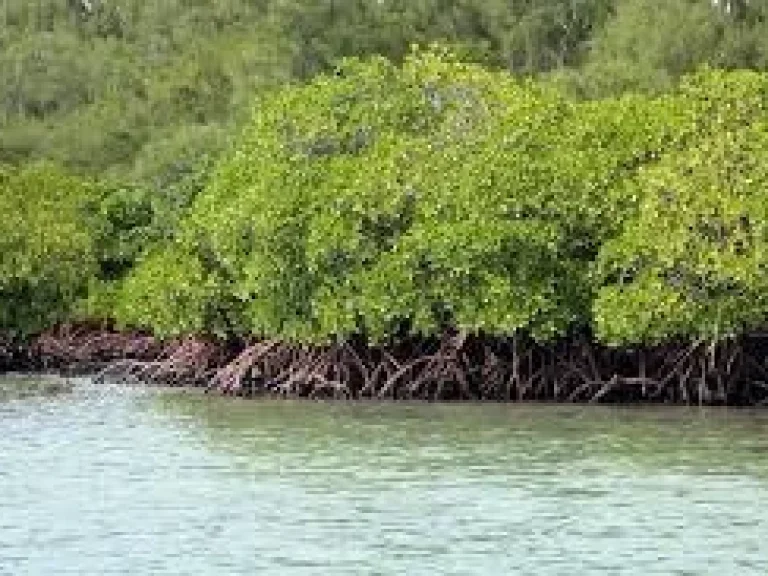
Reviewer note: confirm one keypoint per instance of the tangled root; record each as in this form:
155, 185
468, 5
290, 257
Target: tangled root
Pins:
455, 366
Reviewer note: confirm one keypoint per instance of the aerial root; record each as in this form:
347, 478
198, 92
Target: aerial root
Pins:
183, 362
455, 366
458, 366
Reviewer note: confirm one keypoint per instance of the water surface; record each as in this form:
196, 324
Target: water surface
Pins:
129, 481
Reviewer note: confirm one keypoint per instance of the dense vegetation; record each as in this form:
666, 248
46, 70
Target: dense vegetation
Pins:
416, 222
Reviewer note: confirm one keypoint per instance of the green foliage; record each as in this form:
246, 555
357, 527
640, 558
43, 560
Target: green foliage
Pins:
382, 200
400, 193
289, 215
91, 89
168, 292
647, 45
133, 222
663, 276
525, 37
46, 245
68, 242
693, 263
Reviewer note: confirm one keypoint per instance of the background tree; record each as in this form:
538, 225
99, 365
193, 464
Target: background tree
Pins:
647, 45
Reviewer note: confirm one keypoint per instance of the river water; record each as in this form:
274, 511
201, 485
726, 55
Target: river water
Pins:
130, 481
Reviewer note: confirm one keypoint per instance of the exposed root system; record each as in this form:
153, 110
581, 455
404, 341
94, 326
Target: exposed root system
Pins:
457, 366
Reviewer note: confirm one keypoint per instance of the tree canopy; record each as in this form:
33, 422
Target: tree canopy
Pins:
298, 170
385, 200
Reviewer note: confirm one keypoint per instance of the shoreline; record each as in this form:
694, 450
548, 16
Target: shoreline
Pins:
456, 368
240, 399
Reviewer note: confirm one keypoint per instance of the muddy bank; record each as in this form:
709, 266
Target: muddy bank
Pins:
454, 367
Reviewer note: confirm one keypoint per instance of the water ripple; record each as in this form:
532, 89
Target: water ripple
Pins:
126, 481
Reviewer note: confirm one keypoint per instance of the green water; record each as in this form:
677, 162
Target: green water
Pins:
127, 481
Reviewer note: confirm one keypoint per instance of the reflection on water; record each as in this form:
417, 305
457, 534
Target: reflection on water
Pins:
16, 386
126, 481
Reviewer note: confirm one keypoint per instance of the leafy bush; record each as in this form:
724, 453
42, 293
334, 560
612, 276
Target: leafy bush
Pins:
694, 262
385, 200
46, 243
